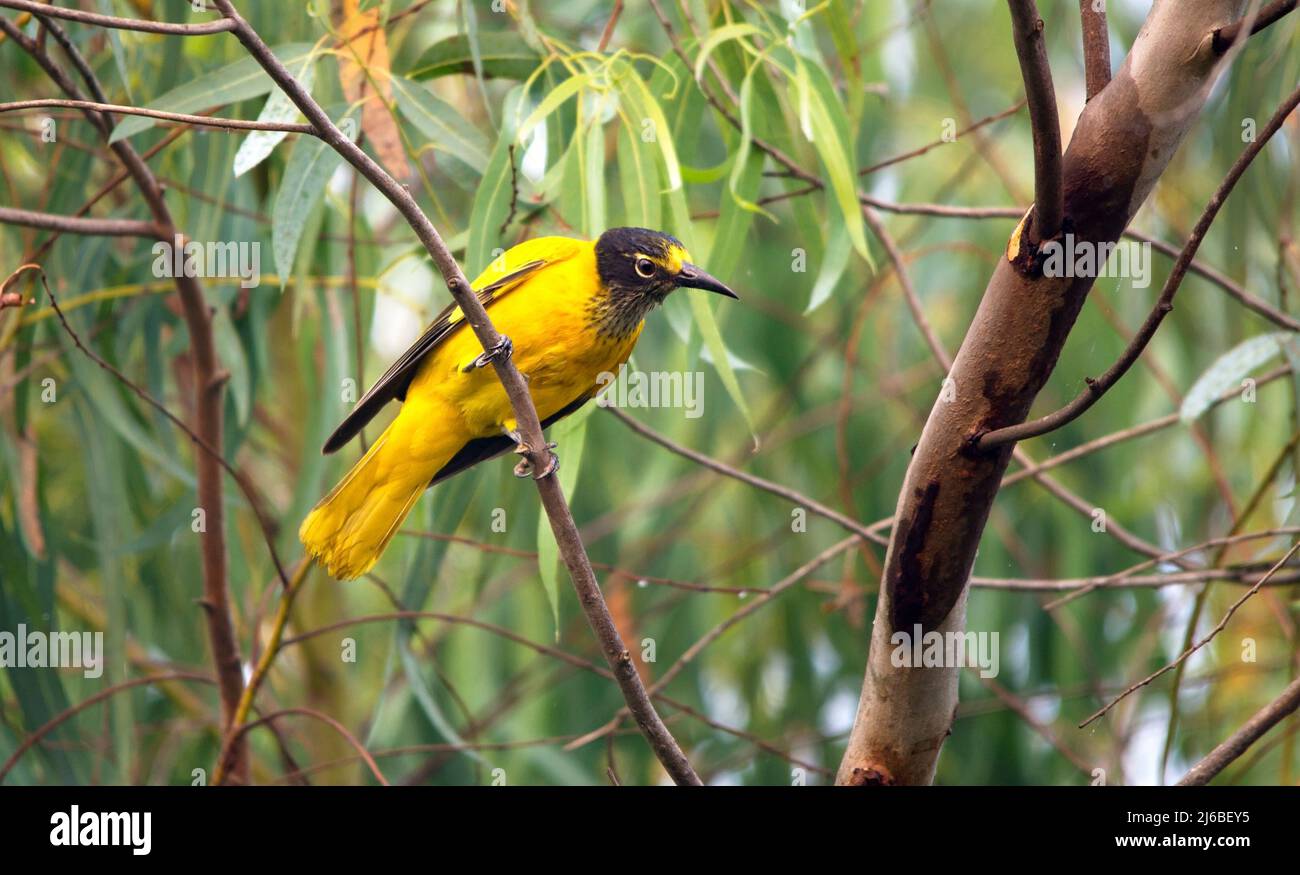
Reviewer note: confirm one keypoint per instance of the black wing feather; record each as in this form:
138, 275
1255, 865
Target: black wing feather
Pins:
482, 449
397, 379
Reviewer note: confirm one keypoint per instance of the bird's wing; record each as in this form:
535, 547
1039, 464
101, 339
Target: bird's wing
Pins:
395, 381
481, 449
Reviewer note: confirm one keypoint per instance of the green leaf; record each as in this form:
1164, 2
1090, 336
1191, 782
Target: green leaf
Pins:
1227, 372
642, 106
445, 128
834, 263
638, 177
551, 102
716, 38
242, 80
278, 108
593, 172
828, 129
308, 173
502, 54
570, 435
722, 359
492, 200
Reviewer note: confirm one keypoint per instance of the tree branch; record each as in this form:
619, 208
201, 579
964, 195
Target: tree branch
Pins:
174, 117
1224, 37
136, 24
1182, 657
1237, 743
1099, 386
557, 510
1009, 352
1096, 46
78, 225
1027, 29
868, 533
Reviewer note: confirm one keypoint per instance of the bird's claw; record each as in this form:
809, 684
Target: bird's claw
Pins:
504, 348
525, 466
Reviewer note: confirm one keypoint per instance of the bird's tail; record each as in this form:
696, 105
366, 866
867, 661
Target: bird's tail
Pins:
350, 528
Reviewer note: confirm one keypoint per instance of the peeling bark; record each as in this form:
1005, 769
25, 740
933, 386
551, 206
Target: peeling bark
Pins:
1123, 142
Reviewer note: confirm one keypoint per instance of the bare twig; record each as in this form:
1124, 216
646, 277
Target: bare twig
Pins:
1219, 627
329, 721
112, 21
918, 152
78, 225
174, 117
212, 452
264, 663
717, 631
870, 533
208, 384
62, 717
610, 25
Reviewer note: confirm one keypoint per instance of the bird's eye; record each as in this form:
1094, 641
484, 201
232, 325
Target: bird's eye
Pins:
645, 267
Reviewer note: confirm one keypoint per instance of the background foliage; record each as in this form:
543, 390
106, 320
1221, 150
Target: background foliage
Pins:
510, 123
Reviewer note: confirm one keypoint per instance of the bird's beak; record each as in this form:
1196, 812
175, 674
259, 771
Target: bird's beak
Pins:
692, 277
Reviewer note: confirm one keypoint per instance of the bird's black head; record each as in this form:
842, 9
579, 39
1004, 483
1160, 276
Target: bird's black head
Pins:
639, 268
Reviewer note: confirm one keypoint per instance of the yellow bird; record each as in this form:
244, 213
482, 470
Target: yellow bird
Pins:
569, 309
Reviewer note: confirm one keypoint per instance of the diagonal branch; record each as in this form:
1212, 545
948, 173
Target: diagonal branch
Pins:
1049, 190
1224, 37
557, 509
1237, 743
1097, 387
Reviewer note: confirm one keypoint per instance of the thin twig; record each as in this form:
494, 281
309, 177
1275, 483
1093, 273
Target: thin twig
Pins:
78, 225
870, 533
918, 152
211, 451
112, 21
264, 663
609, 26
180, 118
1219, 627
62, 717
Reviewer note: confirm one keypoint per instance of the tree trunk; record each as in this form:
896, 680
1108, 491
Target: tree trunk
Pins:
1123, 142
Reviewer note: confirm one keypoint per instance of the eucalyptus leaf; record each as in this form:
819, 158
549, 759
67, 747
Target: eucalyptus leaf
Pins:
1227, 372
242, 80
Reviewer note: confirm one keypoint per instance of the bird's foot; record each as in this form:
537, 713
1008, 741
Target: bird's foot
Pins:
504, 348
525, 466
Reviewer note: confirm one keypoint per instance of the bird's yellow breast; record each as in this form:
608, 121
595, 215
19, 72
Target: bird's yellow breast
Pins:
556, 346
